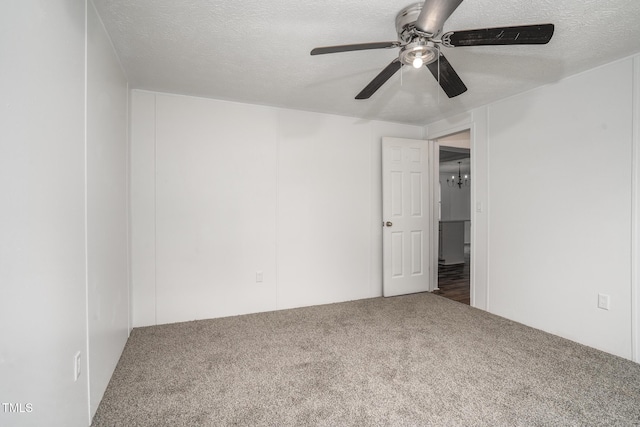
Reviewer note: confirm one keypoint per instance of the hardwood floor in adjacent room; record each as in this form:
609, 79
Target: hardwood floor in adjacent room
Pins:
454, 280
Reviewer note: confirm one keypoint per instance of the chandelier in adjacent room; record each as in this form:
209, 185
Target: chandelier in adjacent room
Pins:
461, 181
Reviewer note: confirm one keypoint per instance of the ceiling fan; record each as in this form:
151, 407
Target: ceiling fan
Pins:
419, 26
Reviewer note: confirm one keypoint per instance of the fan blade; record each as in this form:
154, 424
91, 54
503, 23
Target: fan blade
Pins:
380, 79
434, 13
352, 47
450, 82
524, 34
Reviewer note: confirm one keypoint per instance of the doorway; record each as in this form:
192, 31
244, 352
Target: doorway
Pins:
454, 219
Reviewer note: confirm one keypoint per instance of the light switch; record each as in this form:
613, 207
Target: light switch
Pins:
603, 301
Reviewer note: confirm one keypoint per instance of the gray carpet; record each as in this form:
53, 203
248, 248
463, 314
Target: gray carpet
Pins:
404, 361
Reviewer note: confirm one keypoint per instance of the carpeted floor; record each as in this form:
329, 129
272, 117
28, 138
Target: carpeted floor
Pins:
404, 361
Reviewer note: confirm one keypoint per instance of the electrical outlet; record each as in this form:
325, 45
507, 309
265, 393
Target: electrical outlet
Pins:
259, 276
76, 366
603, 301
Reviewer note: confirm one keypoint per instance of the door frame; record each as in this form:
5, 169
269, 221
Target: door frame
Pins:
635, 217
475, 208
434, 206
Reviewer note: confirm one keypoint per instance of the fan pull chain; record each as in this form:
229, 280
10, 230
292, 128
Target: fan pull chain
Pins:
438, 90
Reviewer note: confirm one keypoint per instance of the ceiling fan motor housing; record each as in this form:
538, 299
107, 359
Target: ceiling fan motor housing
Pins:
406, 23
414, 44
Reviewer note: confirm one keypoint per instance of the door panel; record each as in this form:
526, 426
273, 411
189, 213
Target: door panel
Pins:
406, 214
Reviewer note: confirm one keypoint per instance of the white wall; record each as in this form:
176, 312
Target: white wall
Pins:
564, 142
222, 190
42, 219
215, 208
107, 208
47, 165
143, 207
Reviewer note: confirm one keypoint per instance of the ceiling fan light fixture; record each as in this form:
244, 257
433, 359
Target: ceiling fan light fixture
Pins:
419, 53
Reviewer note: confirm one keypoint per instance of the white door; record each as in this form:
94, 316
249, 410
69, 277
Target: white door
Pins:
407, 212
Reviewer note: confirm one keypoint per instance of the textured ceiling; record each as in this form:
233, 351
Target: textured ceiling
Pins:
258, 51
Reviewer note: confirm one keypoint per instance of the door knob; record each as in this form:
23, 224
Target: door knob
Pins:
388, 223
